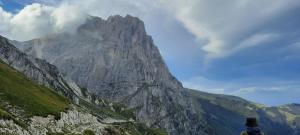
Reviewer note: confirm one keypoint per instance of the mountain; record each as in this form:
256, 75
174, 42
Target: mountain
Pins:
228, 113
116, 60
37, 100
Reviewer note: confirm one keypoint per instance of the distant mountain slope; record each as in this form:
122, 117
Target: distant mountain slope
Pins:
227, 114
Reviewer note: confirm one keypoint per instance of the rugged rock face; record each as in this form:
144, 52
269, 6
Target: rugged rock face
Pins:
117, 60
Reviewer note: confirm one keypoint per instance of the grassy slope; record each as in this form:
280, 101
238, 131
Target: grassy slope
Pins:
4, 114
212, 108
34, 99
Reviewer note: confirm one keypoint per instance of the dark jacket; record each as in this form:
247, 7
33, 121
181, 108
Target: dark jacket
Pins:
252, 131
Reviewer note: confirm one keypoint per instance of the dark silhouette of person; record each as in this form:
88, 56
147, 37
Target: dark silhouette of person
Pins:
252, 127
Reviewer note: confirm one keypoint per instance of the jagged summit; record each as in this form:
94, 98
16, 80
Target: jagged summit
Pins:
114, 27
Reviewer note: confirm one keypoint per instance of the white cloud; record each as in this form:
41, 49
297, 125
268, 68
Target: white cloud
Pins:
246, 90
37, 20
242, 87
265, 90
254, 40
5, 19
297, 45
30, 22
48, 2
222, 22
67, 16
204, 84
106, 8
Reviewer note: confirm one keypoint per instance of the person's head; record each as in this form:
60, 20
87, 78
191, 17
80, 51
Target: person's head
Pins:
251, 122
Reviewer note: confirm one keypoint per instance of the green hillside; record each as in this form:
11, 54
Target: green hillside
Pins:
19, 92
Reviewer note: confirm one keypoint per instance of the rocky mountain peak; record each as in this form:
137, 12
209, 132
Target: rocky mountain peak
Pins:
115, 28
118, 61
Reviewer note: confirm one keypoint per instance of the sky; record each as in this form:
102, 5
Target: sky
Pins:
247, 48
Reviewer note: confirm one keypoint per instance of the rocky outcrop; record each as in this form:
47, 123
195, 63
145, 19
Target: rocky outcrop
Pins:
10, 127
118, 61
72, 121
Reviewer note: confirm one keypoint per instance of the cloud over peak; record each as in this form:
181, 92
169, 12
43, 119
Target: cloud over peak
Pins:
37, 20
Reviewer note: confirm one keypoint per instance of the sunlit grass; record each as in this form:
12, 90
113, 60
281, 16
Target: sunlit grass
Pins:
35, 99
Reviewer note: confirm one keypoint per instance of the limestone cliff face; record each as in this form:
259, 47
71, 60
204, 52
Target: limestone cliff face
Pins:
117, 60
